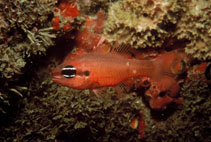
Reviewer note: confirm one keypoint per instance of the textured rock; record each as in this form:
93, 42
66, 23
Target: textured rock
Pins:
144, 23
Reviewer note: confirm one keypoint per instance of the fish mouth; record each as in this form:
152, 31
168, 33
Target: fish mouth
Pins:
56, 75
56, 78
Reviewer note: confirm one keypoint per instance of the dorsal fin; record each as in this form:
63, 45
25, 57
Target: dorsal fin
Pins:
123, 49
103, 48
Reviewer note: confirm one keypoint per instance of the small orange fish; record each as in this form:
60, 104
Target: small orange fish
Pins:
139, 123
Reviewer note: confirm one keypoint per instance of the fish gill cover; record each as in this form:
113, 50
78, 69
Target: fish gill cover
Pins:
33, 108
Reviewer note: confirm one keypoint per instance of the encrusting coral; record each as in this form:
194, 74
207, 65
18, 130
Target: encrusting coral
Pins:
149, 23
195, 27
64, 16
93, 6
191, 121
144, 23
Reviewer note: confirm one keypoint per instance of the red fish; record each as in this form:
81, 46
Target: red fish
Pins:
97, 69
97, 64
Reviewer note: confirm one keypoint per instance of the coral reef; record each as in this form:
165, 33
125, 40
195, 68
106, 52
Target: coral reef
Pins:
65, 16
25, 33
33, 108
191, 121
11, 63
168, 65
164, 88
195, 27
93, 6
55, 112
162, 23
142, 24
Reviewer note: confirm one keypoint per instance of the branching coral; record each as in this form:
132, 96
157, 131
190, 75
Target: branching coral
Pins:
142, 24
39, 40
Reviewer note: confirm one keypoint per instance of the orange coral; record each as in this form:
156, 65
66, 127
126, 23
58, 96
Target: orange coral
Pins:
91, 36
67, 11
55, 23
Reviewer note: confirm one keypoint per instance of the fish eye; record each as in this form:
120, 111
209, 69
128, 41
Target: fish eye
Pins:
86, 73
69, 71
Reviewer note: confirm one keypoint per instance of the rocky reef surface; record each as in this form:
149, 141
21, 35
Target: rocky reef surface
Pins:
143, 24
161, 23
33, 108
